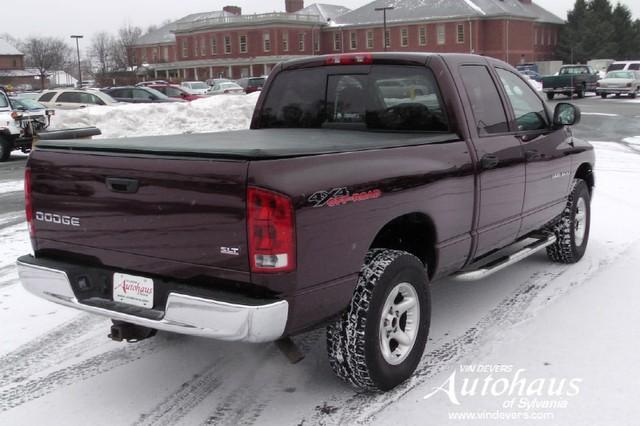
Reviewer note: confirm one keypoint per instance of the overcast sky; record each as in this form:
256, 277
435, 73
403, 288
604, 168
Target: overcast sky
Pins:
63, 18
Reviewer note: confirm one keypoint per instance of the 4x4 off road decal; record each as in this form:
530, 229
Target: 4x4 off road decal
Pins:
341, 196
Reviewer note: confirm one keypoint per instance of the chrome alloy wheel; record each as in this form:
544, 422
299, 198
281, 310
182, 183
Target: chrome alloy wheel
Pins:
580, 225
399, 323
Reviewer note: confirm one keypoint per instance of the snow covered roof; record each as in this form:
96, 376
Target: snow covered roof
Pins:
412, 10
27, 72
325, 11
165, 34
7, 49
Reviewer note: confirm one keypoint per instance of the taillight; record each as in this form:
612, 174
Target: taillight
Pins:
27, 201
270, 225
350, 59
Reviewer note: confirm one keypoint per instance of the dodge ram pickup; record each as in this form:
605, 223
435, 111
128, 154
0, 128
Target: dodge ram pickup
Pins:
363, 178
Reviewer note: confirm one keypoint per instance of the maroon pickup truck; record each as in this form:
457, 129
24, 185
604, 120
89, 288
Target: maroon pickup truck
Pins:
363, 178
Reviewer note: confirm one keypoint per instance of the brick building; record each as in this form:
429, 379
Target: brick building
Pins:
227, 43
12, 70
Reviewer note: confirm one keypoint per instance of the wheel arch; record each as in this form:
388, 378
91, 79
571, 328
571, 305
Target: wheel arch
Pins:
585, 172
414, 233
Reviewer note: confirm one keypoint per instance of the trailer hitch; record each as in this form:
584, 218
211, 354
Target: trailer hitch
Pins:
121, 330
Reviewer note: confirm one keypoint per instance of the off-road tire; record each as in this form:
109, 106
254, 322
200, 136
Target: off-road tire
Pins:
353, 342
550, 95
5, 149
565, 250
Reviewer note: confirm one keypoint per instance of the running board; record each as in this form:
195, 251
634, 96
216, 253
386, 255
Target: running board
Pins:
503, 262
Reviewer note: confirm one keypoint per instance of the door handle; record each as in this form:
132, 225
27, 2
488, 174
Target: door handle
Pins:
123, 185
489, 161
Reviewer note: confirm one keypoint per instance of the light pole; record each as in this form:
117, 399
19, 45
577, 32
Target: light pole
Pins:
384, 23
77, 37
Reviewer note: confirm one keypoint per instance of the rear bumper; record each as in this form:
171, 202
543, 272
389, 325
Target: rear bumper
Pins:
614, 90
182, 314
558, 89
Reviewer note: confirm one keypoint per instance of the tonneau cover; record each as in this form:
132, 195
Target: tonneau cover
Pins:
254, 144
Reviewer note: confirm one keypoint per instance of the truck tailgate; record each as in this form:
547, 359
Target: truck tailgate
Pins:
183, 209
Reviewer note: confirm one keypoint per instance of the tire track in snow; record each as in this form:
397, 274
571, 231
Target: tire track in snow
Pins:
246, 403
177, 405
13, 396
47, 350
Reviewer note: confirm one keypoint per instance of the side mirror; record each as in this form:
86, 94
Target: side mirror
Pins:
566, 114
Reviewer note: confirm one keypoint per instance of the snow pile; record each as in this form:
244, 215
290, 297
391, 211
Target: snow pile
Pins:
210, 114
632, 140
537, 86
475, 7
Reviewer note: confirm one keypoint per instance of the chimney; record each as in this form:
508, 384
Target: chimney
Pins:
234, 10
293, 5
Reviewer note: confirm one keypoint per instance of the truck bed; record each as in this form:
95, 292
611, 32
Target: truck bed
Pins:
253, 144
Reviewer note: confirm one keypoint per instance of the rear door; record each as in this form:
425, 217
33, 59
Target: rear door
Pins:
546, 150
500, 156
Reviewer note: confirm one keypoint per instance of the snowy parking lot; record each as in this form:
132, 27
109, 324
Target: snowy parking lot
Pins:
544, 343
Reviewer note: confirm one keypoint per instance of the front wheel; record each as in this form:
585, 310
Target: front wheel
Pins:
572, 229
603, 95
550, 95
580, 91
379, 340
633, 94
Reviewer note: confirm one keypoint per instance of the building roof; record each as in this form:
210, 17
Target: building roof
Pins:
27, 72
165, 34
325, 11
7, 49
413, 10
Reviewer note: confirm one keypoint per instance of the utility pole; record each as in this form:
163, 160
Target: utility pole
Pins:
384, 23
77, 37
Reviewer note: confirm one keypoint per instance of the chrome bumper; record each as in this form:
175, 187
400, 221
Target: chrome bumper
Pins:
614, 90
183, 314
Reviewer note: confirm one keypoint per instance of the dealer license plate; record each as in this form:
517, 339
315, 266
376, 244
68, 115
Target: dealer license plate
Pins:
133, 290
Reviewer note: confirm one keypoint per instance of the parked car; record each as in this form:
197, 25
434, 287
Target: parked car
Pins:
337, 208
226, 88
624, 66
578, 79
74, 98
251, 84
213, 81
533, 75
139, 95
174, 91
151, 83
38, 113
619, 83
197, 87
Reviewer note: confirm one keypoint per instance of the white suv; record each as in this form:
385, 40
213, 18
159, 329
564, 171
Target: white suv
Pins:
74, 98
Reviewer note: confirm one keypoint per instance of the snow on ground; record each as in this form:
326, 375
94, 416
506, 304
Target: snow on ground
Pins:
11, 186
209, 114
633, 140
554, 322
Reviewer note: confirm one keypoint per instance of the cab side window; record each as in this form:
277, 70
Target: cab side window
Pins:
69, 97
46, 97
528, 109
486, 105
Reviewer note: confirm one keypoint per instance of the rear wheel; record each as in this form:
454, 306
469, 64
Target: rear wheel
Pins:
572, 229
379, 341
633, 94
5, 149
580, 91
603, 95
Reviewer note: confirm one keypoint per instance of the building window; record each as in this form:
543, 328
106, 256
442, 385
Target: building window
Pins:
285, 41
203, 46
154, 55
404, 37
387, 39
441, 34
555, 38
536, 37
369, 39
460, 33
165, 54
337, 41
266, 42
549, 38
133, 57
242, 40
301, 42
185, 48
195, 46
227, 44
316, 42
214, 45
422, 36
353, 40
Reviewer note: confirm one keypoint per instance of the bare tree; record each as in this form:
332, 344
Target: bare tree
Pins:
128, 36
10, 39
101, 45
45, 54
